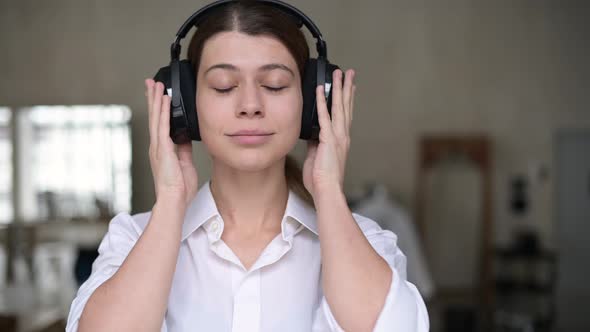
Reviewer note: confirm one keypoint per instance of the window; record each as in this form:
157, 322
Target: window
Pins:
6, 207
74, 161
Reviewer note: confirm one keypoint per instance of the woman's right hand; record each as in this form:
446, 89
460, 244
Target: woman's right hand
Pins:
175, 176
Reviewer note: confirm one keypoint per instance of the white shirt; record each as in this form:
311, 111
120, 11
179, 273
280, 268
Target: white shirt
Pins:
212, 291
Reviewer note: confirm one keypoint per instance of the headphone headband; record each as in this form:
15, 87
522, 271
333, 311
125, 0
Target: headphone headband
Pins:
299, 16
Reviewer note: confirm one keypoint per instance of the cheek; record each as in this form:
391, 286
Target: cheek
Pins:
286, 109
210, 120
287, 113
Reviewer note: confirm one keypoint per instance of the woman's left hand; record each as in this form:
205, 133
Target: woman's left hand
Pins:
325, 163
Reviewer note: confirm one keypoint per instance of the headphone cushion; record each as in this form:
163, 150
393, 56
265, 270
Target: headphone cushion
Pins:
309, 114
188, 88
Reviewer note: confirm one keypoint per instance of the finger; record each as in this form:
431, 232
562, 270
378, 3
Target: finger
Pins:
185, 154
352, 103
157, 110
347, 92
152, 117
312, 147
323, 116
157, 106
164, 140
338, 118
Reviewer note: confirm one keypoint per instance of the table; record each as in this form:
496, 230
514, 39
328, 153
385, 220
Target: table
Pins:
23, 308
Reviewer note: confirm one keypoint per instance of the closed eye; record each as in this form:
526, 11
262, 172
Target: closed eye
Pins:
222, 91
269, 88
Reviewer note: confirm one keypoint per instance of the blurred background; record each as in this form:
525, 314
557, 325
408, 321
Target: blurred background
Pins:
471, 141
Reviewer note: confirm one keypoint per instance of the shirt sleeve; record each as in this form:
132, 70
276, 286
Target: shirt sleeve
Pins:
121, 236
404, 308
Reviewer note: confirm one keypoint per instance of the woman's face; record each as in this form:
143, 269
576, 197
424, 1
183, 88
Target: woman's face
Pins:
248, 83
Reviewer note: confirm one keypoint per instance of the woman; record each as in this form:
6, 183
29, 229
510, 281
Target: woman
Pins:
243, 253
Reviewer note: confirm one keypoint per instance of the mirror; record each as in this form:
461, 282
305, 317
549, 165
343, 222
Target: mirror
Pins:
453, 213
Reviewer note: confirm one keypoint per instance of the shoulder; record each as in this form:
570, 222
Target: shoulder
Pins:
128, 225
383, 241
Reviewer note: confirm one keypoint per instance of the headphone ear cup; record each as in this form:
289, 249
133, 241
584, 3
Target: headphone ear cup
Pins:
188, 89
310, 125
183, 120
309, 114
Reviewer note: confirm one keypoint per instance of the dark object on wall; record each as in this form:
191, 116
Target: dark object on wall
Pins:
527, 242
519, 201
83, 266
460, 319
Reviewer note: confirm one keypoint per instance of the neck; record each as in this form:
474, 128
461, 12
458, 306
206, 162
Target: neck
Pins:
250, 202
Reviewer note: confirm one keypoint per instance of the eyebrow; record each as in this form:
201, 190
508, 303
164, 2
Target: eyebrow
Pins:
267, 67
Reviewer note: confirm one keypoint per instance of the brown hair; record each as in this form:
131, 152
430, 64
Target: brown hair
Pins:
255, 18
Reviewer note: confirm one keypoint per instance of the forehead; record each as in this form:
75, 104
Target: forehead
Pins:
245, 51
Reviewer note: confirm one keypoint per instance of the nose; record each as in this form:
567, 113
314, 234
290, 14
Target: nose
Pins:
250, 103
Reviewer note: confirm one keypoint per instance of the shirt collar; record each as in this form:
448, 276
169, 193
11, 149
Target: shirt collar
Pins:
203, 208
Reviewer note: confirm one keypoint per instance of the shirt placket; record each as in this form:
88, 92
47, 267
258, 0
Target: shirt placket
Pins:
247, 302
246, 284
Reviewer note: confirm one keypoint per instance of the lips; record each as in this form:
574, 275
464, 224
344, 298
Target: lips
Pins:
251, 139
251, 132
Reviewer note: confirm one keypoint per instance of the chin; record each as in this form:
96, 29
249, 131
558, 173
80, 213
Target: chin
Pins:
252, 160
251, 165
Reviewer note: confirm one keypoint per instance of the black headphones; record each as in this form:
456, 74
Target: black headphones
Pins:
179, 76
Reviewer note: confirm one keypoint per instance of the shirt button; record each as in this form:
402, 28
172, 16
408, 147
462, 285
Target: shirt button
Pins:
215, 226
